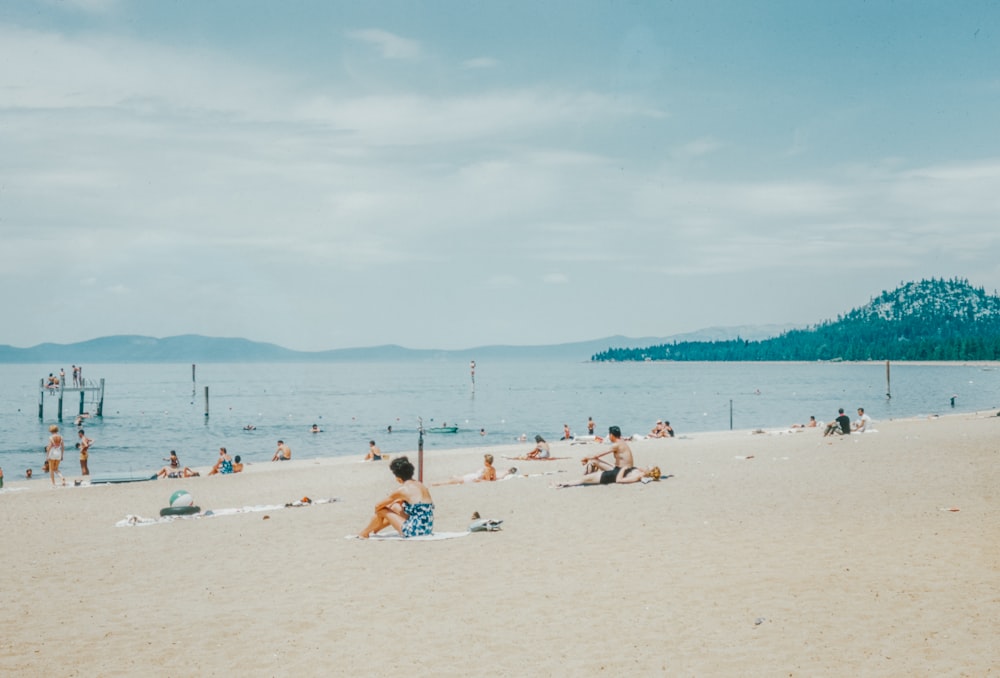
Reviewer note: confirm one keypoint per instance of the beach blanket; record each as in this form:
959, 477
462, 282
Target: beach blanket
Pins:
534, 458
436, 536
132, 520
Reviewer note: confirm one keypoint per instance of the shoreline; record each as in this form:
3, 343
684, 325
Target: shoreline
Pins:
500, 451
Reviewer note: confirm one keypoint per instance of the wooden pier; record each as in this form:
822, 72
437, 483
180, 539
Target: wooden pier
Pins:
96, 389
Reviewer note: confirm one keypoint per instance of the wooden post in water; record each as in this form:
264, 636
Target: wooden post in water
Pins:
61, 387
100, 400
730, 414
83, 393
888, 388
206, 402
41, 399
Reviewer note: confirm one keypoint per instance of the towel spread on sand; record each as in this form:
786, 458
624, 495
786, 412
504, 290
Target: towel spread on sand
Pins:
436, 536
132, 520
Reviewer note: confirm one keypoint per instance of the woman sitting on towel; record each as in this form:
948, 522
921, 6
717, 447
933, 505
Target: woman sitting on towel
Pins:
541, 450
409, 509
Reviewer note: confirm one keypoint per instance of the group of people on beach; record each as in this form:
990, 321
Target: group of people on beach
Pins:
409, 508
224, 464
842, 425
661, 429
55, 451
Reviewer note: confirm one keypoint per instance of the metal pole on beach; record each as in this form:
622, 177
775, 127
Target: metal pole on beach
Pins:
420, 450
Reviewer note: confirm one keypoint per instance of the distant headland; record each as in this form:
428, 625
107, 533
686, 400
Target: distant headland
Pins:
929, 320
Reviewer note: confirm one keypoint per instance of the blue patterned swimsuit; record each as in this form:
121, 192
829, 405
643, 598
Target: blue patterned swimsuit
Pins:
420, 521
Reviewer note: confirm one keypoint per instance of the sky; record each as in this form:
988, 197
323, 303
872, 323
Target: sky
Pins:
453, 173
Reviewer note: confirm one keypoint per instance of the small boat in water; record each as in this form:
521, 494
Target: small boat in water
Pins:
443, 429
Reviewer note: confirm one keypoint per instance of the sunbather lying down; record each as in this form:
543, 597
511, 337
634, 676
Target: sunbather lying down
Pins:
167, 472
615, 475
486, 474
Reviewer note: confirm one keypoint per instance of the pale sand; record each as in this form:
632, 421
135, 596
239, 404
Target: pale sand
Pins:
838, 547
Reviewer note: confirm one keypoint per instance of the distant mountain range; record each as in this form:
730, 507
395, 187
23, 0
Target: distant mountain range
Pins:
925, 320
193, 348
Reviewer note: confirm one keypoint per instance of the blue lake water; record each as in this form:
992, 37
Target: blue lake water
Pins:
152, 409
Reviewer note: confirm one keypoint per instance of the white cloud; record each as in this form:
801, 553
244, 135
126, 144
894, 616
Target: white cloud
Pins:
88, 6
481, 62
698, 148
390, 45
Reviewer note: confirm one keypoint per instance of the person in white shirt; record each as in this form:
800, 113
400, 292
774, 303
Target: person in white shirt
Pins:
863, 421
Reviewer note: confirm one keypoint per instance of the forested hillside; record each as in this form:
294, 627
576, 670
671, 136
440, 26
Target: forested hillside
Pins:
925, 320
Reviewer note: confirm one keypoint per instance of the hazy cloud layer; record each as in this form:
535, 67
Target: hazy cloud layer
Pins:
387, 187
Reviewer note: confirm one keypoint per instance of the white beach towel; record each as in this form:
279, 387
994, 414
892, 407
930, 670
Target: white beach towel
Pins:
436, 536
132, 520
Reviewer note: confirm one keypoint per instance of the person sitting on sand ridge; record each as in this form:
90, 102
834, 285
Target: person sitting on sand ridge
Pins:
409, 509
224, 464
374, 454
597, 471
839, 426
541, 450
283, 453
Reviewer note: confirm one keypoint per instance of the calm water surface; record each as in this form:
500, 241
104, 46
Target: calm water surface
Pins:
152, 409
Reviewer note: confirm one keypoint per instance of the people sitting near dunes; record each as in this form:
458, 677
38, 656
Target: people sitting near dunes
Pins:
839, 426
224, 464
484, 475
409, 509
168, 472
374, 453
283, 453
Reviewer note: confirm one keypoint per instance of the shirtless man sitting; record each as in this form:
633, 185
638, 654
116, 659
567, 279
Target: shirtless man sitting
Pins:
600, 472
283, 453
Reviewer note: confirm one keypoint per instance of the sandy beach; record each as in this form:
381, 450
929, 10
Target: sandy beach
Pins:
763, 554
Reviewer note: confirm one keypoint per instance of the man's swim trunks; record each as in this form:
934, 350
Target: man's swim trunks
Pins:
610, 476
